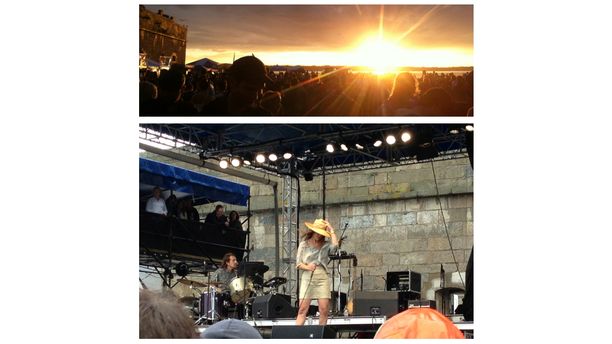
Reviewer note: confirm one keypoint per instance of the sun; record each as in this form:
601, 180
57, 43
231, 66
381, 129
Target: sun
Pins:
379, 56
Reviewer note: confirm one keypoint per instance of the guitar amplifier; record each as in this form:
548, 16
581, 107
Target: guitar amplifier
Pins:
408, 281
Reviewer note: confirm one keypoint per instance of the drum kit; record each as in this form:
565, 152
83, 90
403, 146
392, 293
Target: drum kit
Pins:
217, 301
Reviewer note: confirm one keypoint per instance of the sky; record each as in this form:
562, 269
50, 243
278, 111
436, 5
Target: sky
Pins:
407, 35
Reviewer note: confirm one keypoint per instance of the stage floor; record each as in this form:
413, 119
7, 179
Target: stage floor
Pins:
340, 324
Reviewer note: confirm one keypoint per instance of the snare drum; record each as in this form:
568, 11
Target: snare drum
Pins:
211, 306
241, 288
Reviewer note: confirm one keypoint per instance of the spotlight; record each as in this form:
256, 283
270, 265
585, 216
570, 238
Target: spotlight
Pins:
246, 162
343, 147
469, 127
330, 148
377, 143
181, 269
454, 131
390, 139
358, 146
260, 158
236, 161
287, 156
272, 157
223, 164
406, 137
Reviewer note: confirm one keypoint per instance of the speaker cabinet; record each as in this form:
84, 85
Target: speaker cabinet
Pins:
273, 307
303, 332
406, 281
380, 303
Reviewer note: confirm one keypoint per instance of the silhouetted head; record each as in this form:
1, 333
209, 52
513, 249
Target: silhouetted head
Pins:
247, 76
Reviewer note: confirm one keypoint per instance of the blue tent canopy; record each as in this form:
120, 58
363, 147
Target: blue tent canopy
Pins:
203, 188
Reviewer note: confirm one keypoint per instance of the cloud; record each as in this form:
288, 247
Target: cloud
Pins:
317, 28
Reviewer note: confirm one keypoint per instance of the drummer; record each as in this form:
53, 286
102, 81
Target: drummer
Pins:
225, 274
228, 270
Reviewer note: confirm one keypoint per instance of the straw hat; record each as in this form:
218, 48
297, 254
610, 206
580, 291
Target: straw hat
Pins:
318, 226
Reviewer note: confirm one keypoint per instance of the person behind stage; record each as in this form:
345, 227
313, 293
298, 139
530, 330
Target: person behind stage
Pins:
216, 217
157, 204
312, 256
186, 211
234, 221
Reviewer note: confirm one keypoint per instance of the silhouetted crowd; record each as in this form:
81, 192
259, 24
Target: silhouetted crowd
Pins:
249, 88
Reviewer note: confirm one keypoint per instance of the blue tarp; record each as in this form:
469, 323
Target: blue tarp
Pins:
202, 187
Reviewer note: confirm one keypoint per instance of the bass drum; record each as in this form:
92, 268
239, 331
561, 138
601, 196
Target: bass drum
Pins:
241, 288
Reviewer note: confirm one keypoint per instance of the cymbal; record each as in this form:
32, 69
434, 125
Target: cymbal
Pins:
275, 281
191, 283
214, 284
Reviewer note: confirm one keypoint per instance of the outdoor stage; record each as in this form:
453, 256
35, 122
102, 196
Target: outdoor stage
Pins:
397, 207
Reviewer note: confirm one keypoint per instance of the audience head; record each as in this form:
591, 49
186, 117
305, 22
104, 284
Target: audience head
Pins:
422, 323
234, 216
404, 86
247, 77
156, 192
219, 210
170, 85
437, 101
271, 102
148, 91
231, 329
163, 317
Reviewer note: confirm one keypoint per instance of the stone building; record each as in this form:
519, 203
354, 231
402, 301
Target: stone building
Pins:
160, 35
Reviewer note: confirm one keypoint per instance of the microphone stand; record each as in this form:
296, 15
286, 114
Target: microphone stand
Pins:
338, 300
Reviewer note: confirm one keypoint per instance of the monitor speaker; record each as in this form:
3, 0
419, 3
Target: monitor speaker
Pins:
380, 303
273, 307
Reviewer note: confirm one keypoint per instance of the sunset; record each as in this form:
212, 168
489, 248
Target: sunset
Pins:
302, 60
382, 38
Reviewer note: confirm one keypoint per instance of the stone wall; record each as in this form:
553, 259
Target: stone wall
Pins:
395, 221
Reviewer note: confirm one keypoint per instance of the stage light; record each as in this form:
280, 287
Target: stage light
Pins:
236, 161
181, 269
343, 147
358, 146
272, 157
246, 162
287, 156
223, 164
469, 127
406, 136
330, 148
454, 131
390, 139
260, 158
377, 143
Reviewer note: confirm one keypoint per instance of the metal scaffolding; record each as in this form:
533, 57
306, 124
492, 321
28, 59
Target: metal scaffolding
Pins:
289, 229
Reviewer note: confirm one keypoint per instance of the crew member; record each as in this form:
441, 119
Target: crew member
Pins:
217, 217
